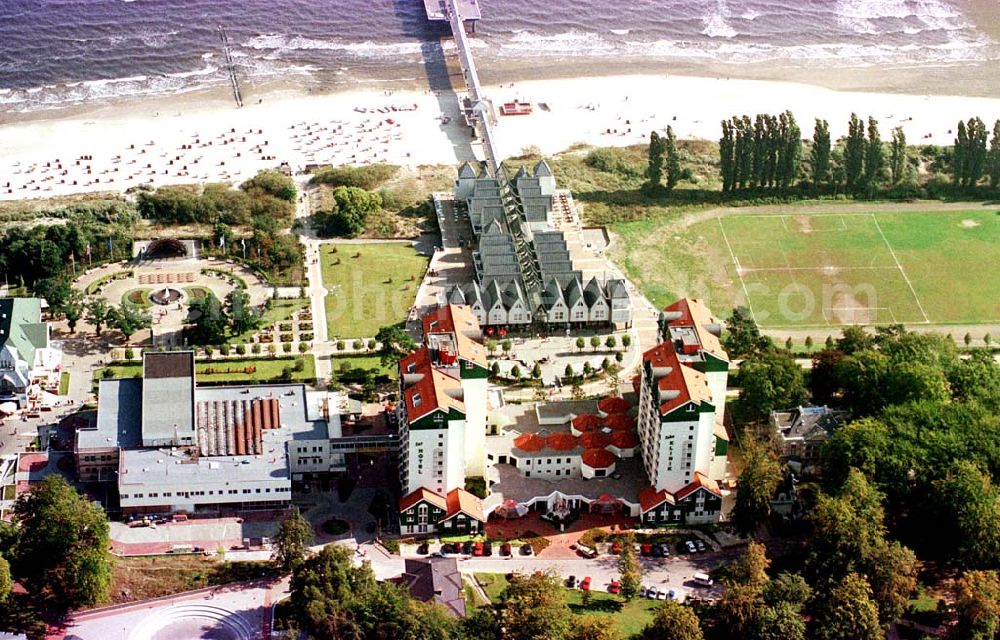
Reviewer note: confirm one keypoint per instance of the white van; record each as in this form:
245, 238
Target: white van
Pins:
702, 580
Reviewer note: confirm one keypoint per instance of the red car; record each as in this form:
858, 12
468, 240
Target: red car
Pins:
478, 549
616, 547
615, 587
646, 549
585, 584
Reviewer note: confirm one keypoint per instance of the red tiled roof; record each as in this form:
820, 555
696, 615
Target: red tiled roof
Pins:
459, 321
650, 498
431, 386
587, 422
529, 442
613, 404
624, 439
460, 500
621, 422
688, 382
594, 440
423, 495
598, 458
700, 481
561, 441
695, 314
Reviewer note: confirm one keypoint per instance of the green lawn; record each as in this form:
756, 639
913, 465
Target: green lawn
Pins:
64, 383
266, 370
280, 310
370, 286
628, 617
362, 362
138, 297
825, 269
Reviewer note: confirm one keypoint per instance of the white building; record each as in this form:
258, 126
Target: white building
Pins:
28, 360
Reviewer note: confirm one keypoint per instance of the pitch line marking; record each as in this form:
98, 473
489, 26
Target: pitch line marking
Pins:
736, 262
901, 270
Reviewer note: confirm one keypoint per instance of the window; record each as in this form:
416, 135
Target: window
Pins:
417, 399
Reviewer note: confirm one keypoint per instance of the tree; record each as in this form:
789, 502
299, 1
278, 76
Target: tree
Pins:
789, 148
727, 153
673, 621
742, 335
892, 572
129, 318
515, 372
580, 343
654, 170
507, 346
595, 342
533, 607
352, 208
536, 372
874, 155
854, 152
495, 368
271, 182
848, 612
960, 155
789, 344
993, 159
788, 588
6, 583
977, 603
98, 312
208, 320
491, 346
819, 154
610, 342
394, 344
243, 316
576, 392
72, 308
854, 339
62, 547
977, 154
758, 480
969, 509
768, 381
591, 628
823, 381
628, 567
626, 341
897, 155
568, 371
672, 159
780, 622
292, 541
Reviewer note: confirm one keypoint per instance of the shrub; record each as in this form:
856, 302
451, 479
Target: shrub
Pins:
129, 354
209, 350
224, 348
300, 364
241, 349
358, 345
286, 347
368, 177
391, 545
612, 160
286, 374
255, 348
303, 347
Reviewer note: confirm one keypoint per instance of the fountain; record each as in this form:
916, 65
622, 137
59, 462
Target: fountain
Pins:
166, 296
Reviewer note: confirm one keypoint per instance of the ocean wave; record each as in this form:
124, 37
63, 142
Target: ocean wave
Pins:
876, 17
715, 22
279, 43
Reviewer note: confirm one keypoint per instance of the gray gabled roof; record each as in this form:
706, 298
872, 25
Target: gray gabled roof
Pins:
617, 289
573, 292
21, 326
492, 295
521, 173
552, 294
512, 294
467, 171
455, 295
543, 170
592, 292
493, 229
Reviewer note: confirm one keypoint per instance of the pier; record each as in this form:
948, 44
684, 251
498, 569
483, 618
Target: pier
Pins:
230, 66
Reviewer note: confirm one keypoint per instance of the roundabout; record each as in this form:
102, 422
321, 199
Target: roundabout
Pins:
193, 620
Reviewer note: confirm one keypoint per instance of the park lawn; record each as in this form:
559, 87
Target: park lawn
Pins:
64, 383
800, 269
267, 370
144, 577
362, 362
373, 285
281, 309
628, 617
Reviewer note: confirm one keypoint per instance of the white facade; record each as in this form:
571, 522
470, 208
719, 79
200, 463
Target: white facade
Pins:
475, 398
550, 465
436, 458
599, 311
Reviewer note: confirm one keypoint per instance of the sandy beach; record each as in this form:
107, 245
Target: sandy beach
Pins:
199, 138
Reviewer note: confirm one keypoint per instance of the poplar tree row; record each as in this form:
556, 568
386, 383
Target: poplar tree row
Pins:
663, 157
762, 153
971, 158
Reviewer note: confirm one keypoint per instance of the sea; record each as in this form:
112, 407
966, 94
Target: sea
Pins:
64, 52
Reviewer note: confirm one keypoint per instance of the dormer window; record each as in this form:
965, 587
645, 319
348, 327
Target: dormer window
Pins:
416, 399
411, 367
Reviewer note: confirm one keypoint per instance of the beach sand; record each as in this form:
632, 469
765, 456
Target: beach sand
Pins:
204, 138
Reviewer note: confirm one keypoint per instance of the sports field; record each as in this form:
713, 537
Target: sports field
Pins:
825, 269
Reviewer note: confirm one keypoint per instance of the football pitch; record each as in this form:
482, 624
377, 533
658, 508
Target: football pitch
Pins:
827, 269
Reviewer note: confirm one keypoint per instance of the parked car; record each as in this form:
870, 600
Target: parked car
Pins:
690, 546
436, 554
615, 587
665, 549
423, 548
646, 549
648, 592
661, 594
488, 549
478, 549
571, 582
585, 583
672, 595
700, 545
585, 551
447, 548
702, 579
505, 549
467, 547
526, 550
655, 551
